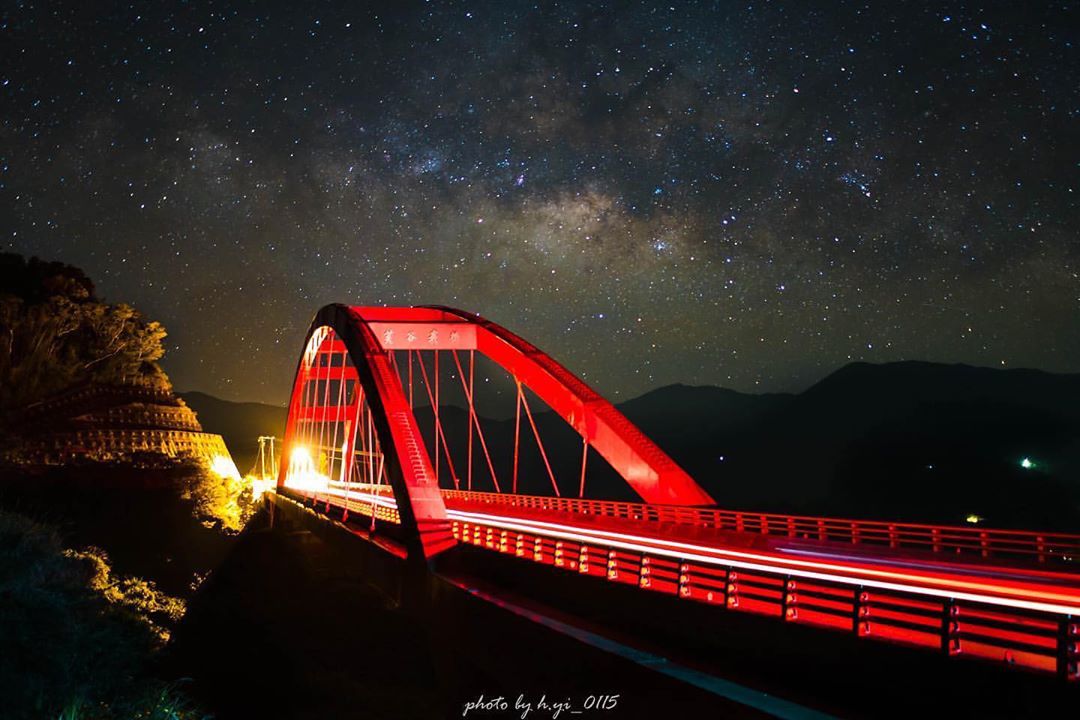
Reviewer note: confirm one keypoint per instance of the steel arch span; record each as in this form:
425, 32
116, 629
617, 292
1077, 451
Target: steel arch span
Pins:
348, 396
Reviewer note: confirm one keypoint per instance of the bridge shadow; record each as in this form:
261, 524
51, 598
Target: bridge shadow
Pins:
304, 621
287, 627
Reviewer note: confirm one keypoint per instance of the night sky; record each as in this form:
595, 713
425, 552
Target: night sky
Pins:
740, 194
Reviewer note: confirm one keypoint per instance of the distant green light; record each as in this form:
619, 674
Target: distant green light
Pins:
1027, 463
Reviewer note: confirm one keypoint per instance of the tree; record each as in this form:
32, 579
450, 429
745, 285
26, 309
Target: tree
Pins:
55, 333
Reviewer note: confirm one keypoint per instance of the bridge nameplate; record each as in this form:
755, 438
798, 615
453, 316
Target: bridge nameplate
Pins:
425, 335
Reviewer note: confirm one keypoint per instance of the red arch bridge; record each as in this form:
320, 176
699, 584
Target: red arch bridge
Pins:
383, 432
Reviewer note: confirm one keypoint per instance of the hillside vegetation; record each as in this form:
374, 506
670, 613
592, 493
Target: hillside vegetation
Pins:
55, 333
77, 639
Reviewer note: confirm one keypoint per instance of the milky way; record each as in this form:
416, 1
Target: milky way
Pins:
747, 195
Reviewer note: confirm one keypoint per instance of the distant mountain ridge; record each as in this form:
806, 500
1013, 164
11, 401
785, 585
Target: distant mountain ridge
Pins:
914, 441
908, 440
240, 423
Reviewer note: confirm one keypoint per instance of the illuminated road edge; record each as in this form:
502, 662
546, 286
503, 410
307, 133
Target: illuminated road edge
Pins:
1006, 595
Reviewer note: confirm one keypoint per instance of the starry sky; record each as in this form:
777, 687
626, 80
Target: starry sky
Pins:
746, 194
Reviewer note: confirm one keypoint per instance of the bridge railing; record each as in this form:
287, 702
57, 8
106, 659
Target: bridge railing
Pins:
1015, 633
968, 542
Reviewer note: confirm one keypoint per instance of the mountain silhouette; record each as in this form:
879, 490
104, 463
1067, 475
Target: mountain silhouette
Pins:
914, 441
239, 423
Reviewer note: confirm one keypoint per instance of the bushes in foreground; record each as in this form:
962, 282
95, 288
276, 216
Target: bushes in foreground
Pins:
76, 639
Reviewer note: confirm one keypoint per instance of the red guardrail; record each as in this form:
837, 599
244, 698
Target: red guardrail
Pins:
1041, 547
1029, 639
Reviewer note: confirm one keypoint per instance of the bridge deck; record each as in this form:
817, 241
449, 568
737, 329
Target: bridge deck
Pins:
961, 604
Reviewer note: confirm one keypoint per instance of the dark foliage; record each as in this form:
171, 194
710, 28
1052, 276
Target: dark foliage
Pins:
76, 638
54, 333
36, 280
